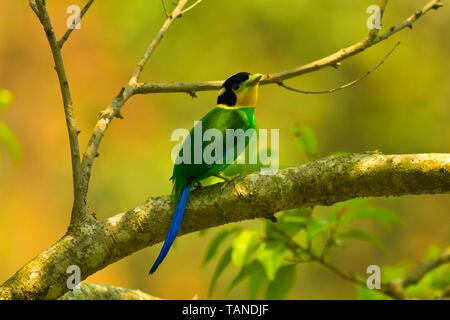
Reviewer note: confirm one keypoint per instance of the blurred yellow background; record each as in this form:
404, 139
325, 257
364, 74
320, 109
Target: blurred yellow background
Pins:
402, 108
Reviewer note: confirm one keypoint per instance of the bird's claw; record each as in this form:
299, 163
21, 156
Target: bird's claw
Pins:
227, 181
196, 186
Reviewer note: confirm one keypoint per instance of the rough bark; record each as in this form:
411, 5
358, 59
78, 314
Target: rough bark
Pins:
93, 291
96, 244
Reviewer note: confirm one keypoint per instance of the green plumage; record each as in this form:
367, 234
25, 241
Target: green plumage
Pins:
219, 118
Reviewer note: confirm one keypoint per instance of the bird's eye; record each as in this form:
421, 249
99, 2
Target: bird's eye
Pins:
236, 86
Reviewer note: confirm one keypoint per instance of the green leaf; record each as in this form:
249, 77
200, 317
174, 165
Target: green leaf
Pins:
333, 216
439, 278
385, 216
433, 252
271, 256
11, 142
299, 216
257, 281
215, 243
221, 265
395, 272
316, 227
306, 140
243, 246
282, 284
354, 203
6, 99
361, 235
364, 293
243, 273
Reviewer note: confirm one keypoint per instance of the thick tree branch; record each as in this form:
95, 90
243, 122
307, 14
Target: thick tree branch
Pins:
322, 182
93, 291
275, 78
79, 211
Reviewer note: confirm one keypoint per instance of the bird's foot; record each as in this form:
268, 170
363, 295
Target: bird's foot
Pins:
226, 180
196, 186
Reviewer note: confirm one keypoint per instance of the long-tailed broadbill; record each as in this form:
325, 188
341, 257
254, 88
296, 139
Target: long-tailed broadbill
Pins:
234, 110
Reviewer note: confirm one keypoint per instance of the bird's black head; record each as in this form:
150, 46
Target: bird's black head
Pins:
241, 89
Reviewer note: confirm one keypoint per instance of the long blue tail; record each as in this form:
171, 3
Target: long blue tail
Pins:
174, 226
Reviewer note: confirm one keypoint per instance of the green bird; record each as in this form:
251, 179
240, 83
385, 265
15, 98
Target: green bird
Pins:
234, 110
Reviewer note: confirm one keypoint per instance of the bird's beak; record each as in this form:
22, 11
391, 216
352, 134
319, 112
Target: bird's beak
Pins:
254, 79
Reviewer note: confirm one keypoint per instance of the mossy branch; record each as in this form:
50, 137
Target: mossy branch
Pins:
93, 291
93, 246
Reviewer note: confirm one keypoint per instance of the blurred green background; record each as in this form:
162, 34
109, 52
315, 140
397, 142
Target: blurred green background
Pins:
402, 108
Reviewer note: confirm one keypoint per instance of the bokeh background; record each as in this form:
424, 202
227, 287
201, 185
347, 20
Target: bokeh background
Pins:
402, 108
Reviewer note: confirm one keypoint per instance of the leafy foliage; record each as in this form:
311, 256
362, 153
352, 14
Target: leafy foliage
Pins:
431, 286
268, 260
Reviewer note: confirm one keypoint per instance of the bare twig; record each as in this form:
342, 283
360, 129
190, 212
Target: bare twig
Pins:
274, 78
296, 249
374, 32
76, 22
352, 83
191, 7
34, 7
113, 110
383, 8
175, 14
165, 9
432, 5
79, 206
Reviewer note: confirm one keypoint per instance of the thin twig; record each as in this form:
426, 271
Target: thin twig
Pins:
374, 32
165, 9
34, 7
274, 78
191, 7
383, 8
79, 211
352, 83
398, 287
113, 110
296, 249
432, 5
75, 24
175, 14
